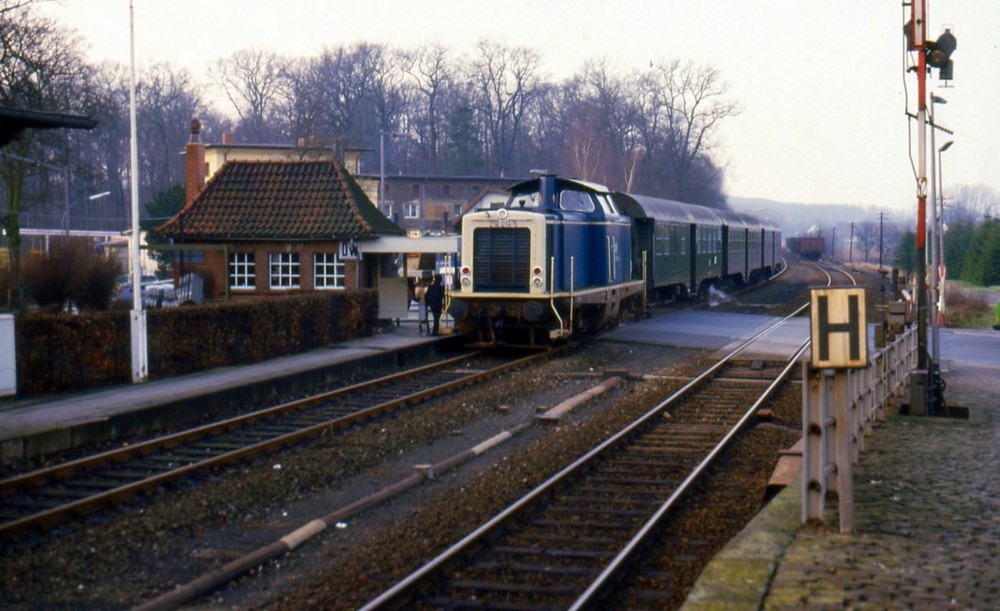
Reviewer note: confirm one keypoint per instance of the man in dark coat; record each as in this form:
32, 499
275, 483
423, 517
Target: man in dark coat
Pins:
435, 300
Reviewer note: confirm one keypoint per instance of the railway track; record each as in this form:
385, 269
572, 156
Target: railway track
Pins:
568, 541
51, 496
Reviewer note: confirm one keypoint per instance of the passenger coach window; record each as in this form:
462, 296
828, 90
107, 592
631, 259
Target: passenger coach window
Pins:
576, 200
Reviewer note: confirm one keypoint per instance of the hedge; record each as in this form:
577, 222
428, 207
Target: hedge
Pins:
60, 352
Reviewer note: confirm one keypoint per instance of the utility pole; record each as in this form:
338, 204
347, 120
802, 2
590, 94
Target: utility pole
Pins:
881, 222
850, 251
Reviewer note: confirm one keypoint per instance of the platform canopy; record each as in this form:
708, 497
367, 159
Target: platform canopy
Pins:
403, 244
13, 121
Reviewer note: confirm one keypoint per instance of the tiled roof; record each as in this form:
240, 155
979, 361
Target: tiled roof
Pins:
265, 200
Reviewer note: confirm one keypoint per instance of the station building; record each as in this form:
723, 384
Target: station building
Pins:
262, 220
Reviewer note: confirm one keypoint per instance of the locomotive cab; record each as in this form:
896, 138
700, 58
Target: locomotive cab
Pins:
553, 261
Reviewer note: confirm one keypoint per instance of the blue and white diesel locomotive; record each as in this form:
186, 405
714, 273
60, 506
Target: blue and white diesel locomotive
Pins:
563, 257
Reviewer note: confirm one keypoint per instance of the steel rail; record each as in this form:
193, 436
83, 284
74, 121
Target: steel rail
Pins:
50, 517
403, 588
66, 469
614, 568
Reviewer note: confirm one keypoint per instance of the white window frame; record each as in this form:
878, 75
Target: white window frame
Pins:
411, 210
284, 270
242, 271
328, 271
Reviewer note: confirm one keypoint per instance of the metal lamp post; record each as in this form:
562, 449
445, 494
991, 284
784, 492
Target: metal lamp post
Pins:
941, 262
933, 230
140, 338
65, 216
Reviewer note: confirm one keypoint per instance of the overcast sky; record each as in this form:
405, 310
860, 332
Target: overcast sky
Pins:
821, 83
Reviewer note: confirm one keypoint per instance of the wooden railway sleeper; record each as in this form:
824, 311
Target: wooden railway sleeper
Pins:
561, 539
641, 500
532, 569
587, 554
508, 588
580, 510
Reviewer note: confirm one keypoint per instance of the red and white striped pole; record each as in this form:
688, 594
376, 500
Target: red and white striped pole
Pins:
923, 379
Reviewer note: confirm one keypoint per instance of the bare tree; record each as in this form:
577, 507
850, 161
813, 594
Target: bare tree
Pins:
254, 81
40, 68
505, 80
866, 236
971, 203
338, 91
166, 101
300, 113
431, 75
682, 106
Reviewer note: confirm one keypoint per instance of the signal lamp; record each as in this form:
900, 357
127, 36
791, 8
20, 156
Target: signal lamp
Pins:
939, 54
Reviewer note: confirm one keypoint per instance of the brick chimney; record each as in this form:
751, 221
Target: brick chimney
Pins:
194, 174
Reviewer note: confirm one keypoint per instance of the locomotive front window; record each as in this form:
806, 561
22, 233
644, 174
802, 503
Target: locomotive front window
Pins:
607, 204
576, 201
523, 200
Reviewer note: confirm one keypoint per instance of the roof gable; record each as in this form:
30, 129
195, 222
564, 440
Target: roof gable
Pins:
277, 200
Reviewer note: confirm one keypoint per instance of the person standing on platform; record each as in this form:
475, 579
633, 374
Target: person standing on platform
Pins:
435, 301
423, 323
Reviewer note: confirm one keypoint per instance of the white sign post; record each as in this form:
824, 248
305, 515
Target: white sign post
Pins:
838, 329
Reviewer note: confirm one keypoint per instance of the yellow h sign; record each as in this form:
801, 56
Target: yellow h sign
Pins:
838, 328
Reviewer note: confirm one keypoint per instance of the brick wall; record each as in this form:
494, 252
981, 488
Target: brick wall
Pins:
215, 268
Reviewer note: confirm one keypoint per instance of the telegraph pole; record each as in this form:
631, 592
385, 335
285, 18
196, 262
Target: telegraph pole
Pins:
850, 251
881, 222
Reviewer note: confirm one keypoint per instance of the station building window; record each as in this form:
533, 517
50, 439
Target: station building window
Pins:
328, 271
411, 210
284, 270
242, 272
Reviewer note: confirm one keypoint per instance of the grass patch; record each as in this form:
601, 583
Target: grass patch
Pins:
970, 307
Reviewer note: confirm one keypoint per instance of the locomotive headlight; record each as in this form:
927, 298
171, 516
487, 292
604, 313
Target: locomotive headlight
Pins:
536, 277
466, 276
466, 281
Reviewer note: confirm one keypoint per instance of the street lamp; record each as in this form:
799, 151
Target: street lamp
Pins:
381, 152
944, 274
933, 230
65, 214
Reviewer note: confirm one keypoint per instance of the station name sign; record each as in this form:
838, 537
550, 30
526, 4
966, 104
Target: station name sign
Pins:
838, 328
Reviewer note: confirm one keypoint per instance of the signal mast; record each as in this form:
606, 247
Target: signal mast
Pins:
925, 388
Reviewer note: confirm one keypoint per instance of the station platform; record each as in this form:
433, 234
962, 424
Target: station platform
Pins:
927, 514
32, 427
